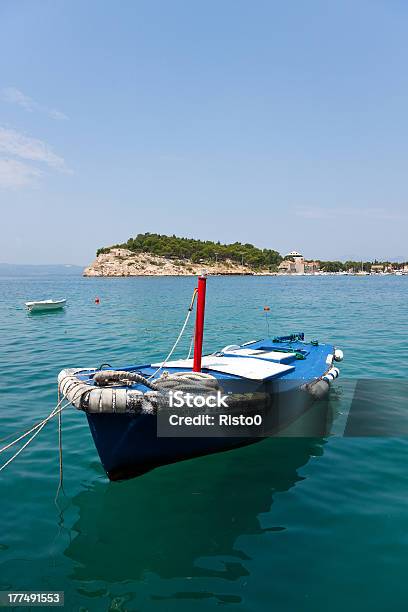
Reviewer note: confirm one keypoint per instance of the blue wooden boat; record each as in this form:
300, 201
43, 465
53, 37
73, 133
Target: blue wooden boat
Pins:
263, 387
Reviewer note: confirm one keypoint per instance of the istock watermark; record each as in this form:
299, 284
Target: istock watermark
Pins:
179, 399
209, 414
353, 408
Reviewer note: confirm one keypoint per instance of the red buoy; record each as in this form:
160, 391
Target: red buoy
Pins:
96, 300
199, 329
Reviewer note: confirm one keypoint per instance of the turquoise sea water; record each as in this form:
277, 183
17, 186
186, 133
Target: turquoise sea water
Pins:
288, 524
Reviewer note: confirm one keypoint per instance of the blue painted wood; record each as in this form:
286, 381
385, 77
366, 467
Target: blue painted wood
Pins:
128, 445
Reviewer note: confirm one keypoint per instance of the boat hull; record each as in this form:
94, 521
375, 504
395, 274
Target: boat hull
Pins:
45, 307
129, 445
132, 423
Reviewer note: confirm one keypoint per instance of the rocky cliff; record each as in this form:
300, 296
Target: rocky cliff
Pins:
122, 262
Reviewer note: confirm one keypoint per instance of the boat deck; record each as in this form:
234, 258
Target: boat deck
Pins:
296, 362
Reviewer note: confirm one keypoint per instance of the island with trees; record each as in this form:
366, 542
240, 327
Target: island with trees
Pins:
152, 254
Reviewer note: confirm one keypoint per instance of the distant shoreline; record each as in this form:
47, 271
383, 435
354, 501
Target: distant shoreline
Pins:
237, 275
123, 263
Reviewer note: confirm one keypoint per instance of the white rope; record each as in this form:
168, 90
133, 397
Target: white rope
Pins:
27, 433
22, 448
36, 428
174, 346
24, 432
191, 344
41, 426
61, 469
53, 413
58, 408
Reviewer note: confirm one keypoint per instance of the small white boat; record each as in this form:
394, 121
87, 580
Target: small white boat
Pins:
45, 305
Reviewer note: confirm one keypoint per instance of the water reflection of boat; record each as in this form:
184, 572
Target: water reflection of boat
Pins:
179, 521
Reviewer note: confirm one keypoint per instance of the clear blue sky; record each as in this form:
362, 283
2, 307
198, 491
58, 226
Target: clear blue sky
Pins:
283, 124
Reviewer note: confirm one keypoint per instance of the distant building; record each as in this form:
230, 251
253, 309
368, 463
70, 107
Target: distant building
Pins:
287, 267
295, 263
311, 267
377, 269
299, 261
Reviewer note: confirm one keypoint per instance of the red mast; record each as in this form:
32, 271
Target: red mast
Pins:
199, 328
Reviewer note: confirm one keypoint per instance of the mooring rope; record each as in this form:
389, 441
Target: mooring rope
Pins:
36, 429
14, 433
191, 344
61, 470
16, 454
27, 433
190, 308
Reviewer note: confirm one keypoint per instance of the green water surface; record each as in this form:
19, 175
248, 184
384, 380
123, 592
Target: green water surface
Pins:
287, 525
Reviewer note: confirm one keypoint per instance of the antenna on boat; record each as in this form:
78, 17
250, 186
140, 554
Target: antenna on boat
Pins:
199, 327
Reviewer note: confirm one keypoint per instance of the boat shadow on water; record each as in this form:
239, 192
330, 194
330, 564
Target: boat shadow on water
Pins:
185, 520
